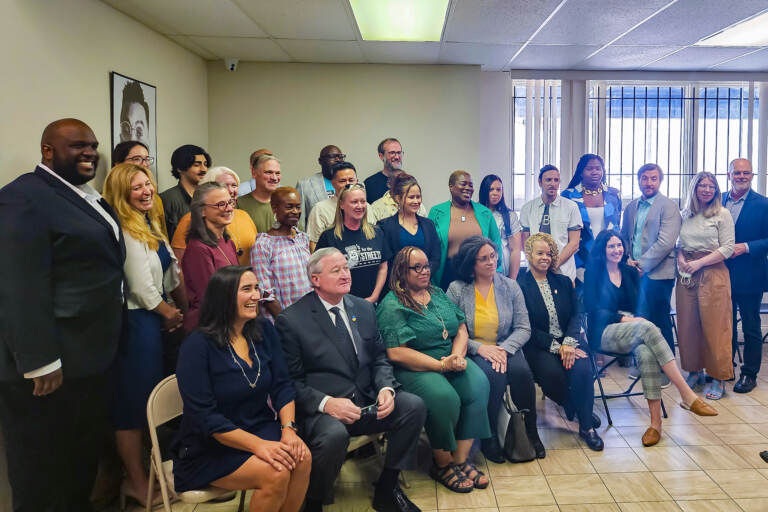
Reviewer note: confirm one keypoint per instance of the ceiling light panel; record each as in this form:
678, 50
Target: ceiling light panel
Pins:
400, 20
751, 32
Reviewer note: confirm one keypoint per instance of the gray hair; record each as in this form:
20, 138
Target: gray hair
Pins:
730, 165
215, 172
197, 227
315, 263
263, 158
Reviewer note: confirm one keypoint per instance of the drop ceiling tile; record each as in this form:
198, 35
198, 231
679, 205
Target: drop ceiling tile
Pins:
595, 22
400, 52
496, 21
697, 58
688, 21
243, 48
627, 57
757, 61
551, 57
186, 42
303, 50
302, 19
492, 57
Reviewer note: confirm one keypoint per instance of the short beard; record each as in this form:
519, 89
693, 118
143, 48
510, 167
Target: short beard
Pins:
391, 167
68, 171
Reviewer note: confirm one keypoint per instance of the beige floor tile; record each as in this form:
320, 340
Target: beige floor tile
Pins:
750, 413
519, 491
629, 417
763, 472
447, 499
360, 470
351, 497
716, 457
737, 434
565, 462
633, 487
753, 504
519, 469
677, 415
691, 435
724, 416
591, 507
634, 435
530, 508
481, 509
759, 395
740, 399
577, 489
751, 453
760, 427
610, 435
558, 439
709, 506
615, 460
689, 485
665, 458
741, 483
551, 419
423, 493
650, 506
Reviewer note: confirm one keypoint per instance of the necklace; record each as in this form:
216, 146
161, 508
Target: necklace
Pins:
436, 315
463, 210
592, 192
258, 361
224, 254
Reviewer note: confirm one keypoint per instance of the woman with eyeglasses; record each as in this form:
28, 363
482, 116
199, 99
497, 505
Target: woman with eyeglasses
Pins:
703, 291
362, 243
209, 246
242, 230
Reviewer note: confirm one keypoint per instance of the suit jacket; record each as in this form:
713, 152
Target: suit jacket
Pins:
567, 306
601, 302
391, 229
320, 364
660, 232
748, 271
61, 296
312, 191
514, 328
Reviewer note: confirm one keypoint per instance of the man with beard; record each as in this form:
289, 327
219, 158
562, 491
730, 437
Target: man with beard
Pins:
318, 187
391, 154
189, 164
266, 175
61, 307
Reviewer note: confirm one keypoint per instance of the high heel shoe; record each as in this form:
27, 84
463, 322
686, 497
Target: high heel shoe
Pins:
126, 491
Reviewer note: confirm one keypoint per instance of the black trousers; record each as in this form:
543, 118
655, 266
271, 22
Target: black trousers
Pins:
328, 438
53, 443
748, 305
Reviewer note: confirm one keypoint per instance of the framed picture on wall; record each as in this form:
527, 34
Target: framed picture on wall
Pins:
133, 113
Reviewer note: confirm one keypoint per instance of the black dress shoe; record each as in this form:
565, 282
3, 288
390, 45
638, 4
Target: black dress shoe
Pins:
745, 384
592, 439
392, 500
538, 447
492, 450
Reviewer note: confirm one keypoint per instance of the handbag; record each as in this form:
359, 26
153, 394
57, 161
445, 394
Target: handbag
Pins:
512, 435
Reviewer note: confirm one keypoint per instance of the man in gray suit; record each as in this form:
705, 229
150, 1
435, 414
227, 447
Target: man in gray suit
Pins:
318, 187
651, 224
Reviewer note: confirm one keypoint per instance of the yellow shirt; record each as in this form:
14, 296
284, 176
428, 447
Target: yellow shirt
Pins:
242, 231
486, 318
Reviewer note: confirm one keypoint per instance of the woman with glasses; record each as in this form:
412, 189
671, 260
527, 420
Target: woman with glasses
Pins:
242, 230
492, 197
209, 246
426, 339
703, 291
362, 243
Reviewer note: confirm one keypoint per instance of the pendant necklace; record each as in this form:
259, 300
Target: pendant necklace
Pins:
258, 361
463, 210
438, 316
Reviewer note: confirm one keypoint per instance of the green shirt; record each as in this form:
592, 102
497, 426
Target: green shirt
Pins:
400, 325
261, 213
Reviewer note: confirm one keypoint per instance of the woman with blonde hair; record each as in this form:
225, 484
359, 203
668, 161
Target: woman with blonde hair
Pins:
151, 274
362, 243
703, 290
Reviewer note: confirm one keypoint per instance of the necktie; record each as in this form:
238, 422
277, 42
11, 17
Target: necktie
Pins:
342, 332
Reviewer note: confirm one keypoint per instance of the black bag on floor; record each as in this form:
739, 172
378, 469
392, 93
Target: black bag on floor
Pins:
512, 435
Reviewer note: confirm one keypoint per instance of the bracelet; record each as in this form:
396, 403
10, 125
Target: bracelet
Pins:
442, 366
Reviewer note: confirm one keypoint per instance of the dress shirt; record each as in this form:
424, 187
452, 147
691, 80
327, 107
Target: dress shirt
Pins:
343, 312
643, 207
735, 208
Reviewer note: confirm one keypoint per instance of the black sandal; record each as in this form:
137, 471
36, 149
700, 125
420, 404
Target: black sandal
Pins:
450, 476
467, 468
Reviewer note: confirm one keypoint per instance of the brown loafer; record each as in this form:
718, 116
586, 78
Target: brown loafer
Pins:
700, 408
651, 437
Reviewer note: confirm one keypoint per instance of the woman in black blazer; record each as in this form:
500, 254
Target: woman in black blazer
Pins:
558, 361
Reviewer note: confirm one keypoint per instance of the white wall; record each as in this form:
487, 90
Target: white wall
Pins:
446, 117
56, 57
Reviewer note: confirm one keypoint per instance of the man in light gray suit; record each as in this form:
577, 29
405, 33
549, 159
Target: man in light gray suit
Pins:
318, 187
651, 224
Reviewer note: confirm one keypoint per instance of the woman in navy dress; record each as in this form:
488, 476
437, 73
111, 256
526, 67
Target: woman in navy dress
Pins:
232, 379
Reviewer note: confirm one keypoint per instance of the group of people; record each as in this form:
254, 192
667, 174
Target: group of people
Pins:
296, 318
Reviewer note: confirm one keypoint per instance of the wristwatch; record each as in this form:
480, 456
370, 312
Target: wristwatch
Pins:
292, 425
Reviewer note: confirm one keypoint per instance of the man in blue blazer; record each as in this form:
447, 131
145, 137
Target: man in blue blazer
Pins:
747, 266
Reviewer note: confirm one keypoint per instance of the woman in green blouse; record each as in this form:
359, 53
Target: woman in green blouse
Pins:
426, 339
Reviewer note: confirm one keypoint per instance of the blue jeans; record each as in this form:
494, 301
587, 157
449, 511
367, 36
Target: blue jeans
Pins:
654, 305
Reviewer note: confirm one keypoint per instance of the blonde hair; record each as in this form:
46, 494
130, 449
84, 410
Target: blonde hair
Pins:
215, 172
117, 192
338, 221
693, 205
547, 239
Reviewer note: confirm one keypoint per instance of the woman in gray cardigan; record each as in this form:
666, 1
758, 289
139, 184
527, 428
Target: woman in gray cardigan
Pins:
498, 326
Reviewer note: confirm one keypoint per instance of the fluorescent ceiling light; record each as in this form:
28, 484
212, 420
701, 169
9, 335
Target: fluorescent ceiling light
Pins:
400, 20
751, 32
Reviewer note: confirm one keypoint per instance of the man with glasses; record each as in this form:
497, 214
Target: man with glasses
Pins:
266, 174
189, 163
391, 154
747, 268
318, 187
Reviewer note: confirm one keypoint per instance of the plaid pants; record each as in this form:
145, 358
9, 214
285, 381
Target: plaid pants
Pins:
650, 348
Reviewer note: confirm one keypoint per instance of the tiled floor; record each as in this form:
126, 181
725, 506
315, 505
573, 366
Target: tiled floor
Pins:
701, 464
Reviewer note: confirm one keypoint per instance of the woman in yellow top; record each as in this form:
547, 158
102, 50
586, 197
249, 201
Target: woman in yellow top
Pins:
242, 230
498, 326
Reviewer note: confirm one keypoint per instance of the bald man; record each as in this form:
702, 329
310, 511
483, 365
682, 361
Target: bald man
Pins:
318, 187
61, 305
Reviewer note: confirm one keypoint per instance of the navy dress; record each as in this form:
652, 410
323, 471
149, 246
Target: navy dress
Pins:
218, 399
139, 363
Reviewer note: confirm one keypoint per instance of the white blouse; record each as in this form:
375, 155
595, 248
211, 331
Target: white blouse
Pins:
716, 233
144, 274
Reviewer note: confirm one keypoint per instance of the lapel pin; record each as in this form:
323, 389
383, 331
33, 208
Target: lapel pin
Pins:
354, 318
555, 292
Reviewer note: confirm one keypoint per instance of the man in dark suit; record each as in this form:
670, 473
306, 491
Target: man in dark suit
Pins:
61, 306
344, 383
747, 266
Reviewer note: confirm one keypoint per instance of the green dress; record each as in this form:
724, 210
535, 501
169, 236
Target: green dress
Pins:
456, 401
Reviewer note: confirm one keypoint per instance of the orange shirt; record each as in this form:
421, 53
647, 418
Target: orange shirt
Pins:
242, 231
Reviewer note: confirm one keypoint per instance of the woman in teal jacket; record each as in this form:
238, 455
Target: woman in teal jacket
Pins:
457, 220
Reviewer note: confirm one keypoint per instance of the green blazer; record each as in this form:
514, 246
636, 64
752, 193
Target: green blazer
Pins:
441, 216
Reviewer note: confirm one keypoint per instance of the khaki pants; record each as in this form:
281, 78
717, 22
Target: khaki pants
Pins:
704, 322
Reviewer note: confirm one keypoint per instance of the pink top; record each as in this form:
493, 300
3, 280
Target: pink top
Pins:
199, 263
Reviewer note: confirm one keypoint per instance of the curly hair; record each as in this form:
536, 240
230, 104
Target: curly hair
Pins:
547, 239
398, 279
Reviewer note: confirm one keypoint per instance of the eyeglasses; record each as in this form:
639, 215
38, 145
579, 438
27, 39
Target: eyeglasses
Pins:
395, 153
146, 160
222, 205
335, 156
705, 186
350, 186
420, 269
